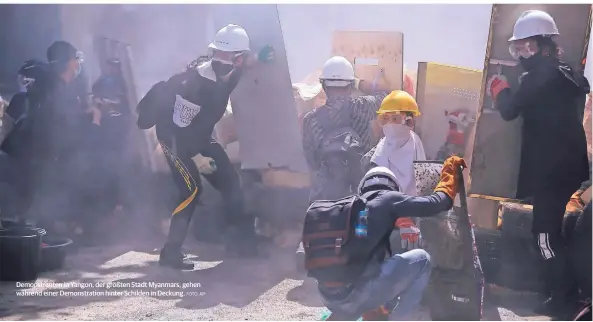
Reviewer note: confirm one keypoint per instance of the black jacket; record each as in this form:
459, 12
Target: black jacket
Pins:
550, 100
212, 97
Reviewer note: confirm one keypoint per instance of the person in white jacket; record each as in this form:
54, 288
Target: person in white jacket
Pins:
397, 151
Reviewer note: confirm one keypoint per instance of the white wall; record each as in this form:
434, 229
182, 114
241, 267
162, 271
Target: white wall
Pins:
430, 32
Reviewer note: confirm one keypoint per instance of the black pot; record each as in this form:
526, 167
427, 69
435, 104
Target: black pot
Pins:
53, 253
20, 250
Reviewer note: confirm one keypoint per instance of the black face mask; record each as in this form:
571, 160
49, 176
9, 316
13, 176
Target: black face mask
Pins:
531, 62
221, 69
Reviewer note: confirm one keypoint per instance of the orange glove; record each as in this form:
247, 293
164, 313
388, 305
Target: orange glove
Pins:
496, 83
378, 314
409, 233
575, 204
448, 182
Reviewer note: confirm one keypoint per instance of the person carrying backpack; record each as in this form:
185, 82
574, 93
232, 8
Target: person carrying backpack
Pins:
185, 110
338, 134
346, 242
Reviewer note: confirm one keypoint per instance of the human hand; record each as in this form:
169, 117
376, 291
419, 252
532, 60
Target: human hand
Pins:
448, 181
205, 165
409, 233
266, 54
95, 113
495, 84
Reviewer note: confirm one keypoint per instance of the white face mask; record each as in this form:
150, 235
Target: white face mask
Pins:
395, 131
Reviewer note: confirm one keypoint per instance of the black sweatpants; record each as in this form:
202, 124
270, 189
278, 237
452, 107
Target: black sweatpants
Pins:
187, 179
549, 205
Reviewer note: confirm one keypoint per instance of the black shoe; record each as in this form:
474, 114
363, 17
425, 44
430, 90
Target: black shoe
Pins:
556, 307
174, 259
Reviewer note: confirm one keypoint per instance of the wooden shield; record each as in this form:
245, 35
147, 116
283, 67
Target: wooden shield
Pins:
448, 100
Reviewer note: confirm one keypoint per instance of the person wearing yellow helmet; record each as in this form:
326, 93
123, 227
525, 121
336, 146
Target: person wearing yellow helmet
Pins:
397, 151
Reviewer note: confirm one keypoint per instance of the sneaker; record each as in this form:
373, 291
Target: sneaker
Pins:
557, 307
174, 260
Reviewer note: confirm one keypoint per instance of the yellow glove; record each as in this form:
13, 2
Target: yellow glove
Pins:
448, 182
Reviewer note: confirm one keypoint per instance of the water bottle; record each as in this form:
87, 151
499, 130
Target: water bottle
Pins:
360, 230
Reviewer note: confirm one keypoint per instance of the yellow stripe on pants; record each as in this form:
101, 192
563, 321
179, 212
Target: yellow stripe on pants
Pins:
189, 180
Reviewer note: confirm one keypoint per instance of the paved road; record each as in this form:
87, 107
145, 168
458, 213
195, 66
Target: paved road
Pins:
219, 289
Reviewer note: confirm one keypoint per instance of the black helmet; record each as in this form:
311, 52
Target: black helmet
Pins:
32, 71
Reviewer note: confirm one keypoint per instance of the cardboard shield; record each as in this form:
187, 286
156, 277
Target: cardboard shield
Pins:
496, 157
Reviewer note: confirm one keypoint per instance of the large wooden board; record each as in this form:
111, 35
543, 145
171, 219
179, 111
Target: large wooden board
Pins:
371, 51
448, 100
495, 169
263, 104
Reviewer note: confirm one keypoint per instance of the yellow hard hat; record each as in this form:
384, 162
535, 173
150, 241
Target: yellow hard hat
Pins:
399, 101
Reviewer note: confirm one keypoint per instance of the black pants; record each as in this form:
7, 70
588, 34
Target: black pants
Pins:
187, 179
549, 205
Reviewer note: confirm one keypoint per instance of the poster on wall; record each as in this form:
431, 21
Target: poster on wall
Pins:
263, 102
448, 100
494, 170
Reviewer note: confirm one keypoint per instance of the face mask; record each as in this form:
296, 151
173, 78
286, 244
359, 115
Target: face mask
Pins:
394, 131
221, 69
529, 63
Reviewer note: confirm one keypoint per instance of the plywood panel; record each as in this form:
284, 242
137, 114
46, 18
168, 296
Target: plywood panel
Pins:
448, 100
495, 169
371, 51
263, 104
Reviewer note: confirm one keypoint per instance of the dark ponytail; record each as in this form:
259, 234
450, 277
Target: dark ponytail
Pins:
547, 44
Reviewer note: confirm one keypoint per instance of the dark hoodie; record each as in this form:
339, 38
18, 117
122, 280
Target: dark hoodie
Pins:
550, 100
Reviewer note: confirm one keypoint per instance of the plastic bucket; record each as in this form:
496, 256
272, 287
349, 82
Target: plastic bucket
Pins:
53, 253
20, 250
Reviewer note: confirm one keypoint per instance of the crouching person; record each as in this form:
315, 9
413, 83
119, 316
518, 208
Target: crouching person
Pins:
346, 242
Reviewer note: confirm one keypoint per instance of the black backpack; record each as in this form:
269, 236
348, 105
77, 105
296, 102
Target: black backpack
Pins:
341, 149
332, 252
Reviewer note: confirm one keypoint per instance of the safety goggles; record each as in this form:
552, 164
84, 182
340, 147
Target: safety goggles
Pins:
521, 49
397, 117
225, 57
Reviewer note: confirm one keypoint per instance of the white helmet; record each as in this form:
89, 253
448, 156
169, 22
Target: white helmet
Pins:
231, 38
383, 177
534, 23
338, 72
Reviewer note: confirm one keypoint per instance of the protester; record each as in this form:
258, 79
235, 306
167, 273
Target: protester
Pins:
347, 256
185, 110
337, 134
63, 133
554, 149
397, 151
110, 95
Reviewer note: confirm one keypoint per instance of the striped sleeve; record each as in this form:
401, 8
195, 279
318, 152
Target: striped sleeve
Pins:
311, 135
364, 111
